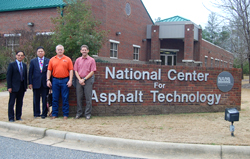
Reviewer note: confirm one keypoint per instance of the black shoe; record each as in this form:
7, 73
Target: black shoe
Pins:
43, 117
11, 120
19, 119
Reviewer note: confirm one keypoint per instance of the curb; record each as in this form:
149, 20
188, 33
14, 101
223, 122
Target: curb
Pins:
136, 148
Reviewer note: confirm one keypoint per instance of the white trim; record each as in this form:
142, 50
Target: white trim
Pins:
187, 60
212, 58
172, 50
197, 62
136, 46
44, 33
114, 41
206, 56
8, 35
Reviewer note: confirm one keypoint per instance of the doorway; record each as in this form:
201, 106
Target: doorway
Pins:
168, 57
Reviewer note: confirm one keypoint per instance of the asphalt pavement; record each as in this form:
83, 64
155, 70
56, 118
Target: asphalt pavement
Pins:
121, 147
15, 149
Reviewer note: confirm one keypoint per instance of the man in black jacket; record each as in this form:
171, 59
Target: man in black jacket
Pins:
37, 81
16, 85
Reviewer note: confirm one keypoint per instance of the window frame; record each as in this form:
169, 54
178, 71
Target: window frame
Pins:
113, 42
136, 47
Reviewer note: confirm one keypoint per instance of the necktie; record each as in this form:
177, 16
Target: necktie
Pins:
41, 65
21, 71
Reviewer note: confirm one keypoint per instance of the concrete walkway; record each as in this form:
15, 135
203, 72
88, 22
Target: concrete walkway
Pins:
121, 147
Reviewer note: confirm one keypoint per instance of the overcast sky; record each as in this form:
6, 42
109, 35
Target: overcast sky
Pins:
193, 10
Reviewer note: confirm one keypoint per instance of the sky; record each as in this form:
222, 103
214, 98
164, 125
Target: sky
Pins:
193, 10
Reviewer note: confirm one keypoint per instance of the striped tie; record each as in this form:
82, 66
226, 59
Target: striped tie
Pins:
41, 65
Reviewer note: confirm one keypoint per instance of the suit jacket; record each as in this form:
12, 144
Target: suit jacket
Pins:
14, 77
36, 77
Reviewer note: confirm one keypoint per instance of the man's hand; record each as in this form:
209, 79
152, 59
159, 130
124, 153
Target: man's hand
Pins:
82, 82
30, 86
10, 90
69, 84
49, 84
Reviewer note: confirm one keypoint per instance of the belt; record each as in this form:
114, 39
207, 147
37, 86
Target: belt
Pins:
61, 78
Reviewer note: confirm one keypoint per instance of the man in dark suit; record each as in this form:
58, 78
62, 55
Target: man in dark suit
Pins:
17, 85
37, 81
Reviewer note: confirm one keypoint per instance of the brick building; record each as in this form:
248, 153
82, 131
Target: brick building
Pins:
128, 85
133, 37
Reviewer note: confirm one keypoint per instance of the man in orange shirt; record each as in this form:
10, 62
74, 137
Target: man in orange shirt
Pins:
61, 67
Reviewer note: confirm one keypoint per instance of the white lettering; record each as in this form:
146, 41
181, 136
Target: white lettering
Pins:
181, 98
159, 85
188, 76
103, 97
94, 96
217, 96
129, 74
119, 97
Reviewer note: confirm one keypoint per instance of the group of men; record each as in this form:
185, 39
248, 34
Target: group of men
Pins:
56, 74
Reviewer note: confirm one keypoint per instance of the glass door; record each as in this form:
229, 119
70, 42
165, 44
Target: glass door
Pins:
169, 60
168, 57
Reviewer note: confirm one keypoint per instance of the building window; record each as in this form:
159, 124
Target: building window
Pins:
12, 41
205, 61
128, 9
136, 52
114, 48
212, 61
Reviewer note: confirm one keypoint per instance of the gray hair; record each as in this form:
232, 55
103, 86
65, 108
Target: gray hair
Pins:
86, 46
59, 45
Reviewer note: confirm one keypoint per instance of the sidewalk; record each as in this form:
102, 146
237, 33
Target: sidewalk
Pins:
121, 147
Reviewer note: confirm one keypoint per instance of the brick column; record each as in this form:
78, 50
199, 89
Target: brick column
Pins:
189, 44
155, 43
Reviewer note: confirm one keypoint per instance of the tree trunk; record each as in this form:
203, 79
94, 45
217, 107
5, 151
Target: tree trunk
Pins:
249, 68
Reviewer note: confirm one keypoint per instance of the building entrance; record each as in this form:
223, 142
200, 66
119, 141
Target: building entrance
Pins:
168, 57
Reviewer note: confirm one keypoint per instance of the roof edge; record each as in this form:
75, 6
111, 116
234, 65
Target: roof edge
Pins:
147, 12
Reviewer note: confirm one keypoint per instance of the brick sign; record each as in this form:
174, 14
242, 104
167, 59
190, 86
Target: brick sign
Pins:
128, 89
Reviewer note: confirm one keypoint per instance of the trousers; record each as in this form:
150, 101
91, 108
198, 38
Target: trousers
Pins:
84, 90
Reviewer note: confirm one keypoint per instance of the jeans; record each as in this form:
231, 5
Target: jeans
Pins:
60, 86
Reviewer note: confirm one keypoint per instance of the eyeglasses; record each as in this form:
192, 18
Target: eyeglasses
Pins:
20, 55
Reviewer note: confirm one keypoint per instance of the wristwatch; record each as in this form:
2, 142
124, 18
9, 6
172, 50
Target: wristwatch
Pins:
84, 79
47, 79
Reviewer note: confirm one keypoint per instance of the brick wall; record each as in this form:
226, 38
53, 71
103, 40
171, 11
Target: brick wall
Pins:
212, 51
113, 17
129, 87
20, 19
